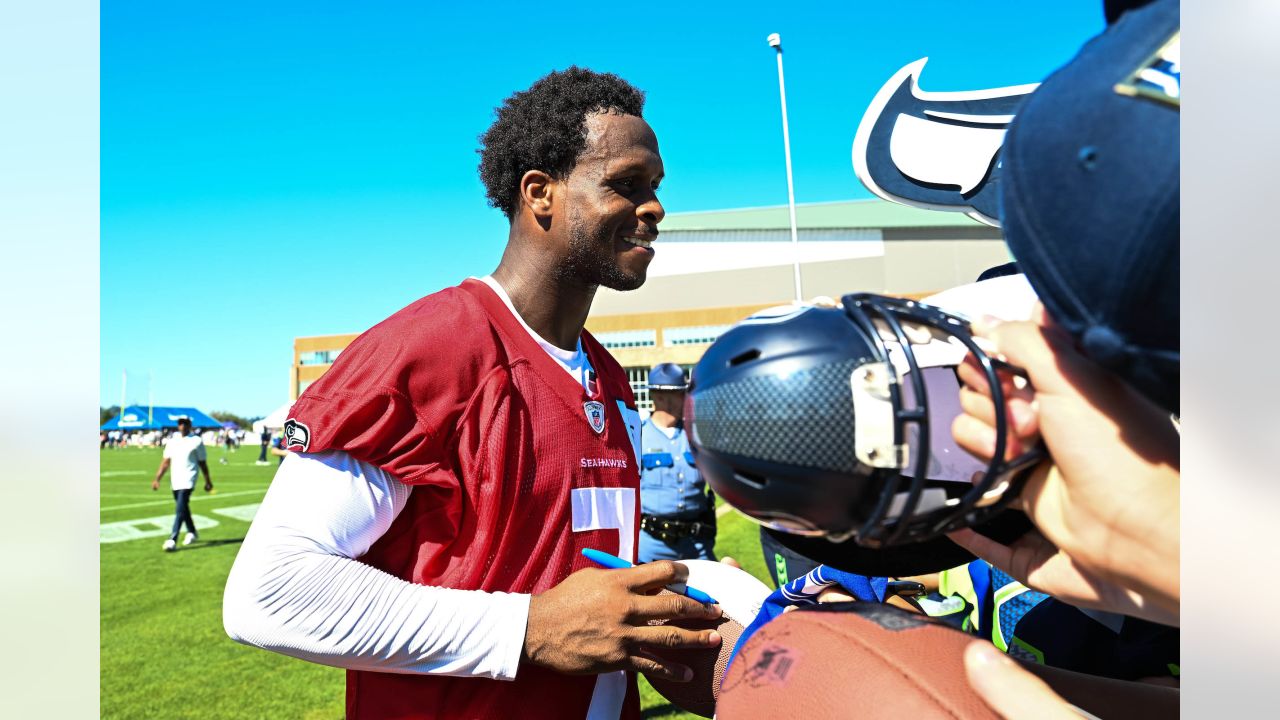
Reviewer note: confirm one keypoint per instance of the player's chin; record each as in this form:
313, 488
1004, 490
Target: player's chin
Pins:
628, 272
627, 279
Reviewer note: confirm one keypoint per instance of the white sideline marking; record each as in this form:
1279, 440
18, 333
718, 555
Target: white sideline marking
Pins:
146, 528
243, 513
194, 497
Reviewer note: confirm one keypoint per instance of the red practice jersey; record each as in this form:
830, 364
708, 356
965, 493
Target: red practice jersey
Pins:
516, 469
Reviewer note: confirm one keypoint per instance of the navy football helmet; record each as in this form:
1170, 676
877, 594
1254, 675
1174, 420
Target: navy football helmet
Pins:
832, 426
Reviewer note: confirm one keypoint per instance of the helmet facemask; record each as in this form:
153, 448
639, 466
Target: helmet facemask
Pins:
905, 401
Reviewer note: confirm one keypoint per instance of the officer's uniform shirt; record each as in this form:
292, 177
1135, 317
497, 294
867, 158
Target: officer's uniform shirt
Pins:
670, 486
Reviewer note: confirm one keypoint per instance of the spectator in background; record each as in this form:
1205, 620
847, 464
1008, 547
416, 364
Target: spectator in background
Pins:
278, 448
678, 512
265, 438
184, 455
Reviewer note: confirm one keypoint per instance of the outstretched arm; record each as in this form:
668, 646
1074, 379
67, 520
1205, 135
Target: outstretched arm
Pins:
1107, 506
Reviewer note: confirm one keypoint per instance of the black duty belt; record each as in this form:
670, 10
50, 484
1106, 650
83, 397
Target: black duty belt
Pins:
668, 530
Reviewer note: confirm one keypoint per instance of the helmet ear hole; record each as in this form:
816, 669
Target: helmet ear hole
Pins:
747, 356
752, 479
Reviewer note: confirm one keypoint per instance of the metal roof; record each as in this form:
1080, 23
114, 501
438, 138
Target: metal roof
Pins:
873, 213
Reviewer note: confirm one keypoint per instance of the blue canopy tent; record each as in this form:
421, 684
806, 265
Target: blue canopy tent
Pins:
134, 417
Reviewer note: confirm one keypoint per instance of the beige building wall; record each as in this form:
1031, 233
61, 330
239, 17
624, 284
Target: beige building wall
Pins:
663, 350
907, 267
302, 374
928, 267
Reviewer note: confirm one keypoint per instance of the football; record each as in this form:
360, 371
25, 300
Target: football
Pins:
845, 660
739, 596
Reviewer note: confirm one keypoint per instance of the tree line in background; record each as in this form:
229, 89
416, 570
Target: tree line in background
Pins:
106, 413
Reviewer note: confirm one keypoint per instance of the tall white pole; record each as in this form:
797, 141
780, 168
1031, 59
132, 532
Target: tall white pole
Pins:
775, 41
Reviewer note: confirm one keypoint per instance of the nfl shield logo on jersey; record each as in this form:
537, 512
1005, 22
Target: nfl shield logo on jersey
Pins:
595, 415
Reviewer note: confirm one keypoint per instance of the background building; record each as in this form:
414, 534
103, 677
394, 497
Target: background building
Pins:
714, 268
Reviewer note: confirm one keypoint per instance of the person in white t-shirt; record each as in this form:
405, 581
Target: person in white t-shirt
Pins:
184, 454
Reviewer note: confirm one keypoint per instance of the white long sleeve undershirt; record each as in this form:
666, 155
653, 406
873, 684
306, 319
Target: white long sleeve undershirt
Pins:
296, 588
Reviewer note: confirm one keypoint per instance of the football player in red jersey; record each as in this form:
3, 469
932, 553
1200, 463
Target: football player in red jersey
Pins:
426, 531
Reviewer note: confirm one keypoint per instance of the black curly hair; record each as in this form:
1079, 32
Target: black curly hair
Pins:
544, 128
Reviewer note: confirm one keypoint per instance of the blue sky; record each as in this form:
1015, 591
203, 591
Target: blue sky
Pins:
273, 170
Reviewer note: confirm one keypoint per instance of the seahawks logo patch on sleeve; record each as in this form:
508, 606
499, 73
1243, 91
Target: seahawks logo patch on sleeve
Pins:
296, 435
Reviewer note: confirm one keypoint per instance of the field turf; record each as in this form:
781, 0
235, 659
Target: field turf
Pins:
163, 651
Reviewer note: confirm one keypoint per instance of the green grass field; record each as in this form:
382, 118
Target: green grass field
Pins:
164, 653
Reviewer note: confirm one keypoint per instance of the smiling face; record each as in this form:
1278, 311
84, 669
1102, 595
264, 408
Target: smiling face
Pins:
611, 205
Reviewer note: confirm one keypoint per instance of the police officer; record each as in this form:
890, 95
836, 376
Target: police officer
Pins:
677, 511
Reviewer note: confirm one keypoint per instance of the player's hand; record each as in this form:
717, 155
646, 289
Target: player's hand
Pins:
1109, 500
1009, 690
155, 484
596, 621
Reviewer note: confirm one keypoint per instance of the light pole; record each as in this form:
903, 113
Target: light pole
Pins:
775, 42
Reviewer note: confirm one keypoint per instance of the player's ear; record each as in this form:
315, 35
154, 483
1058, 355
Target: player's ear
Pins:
537, 190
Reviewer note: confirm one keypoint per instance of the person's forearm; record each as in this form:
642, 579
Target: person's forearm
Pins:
296, 588
337, 611
1150, 563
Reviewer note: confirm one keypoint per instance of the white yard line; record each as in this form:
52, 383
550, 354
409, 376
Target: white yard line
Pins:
194, 497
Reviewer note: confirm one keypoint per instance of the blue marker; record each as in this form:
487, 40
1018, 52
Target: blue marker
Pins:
617, 563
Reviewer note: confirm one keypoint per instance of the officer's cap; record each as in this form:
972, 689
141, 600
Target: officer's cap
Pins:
667, 376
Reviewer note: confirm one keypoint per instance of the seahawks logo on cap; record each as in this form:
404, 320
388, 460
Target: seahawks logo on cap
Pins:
296, 435
595, 415
936, 150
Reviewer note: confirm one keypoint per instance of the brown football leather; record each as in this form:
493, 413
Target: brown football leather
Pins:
847, 660
698, 696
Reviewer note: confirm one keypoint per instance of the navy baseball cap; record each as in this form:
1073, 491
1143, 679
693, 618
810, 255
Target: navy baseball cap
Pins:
667, 376
1090, 198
